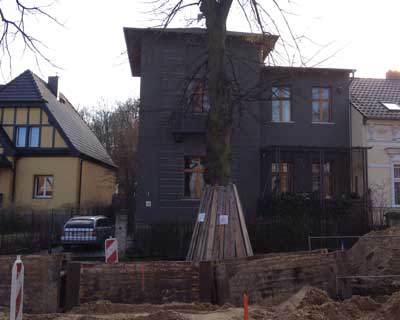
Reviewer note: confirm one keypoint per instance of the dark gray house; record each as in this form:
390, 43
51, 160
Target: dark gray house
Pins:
291, 134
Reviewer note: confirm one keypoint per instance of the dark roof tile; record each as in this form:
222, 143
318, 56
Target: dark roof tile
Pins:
22, 88
367, 95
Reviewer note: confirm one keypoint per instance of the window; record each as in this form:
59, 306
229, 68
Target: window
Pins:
20, 137
34, 137
199, 101
194, 177
321, 104
43, 186
282, 180
102, 223
27, 136
396, 183
328, 178
391, 106
281, 104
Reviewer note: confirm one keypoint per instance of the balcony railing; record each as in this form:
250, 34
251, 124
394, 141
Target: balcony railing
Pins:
187, 123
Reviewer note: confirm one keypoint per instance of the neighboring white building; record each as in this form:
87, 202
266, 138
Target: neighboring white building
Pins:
376, 125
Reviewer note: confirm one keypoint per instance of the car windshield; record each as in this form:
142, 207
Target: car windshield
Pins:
80, 223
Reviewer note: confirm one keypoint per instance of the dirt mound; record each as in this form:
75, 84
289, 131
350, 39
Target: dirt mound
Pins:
364, 304
314, 304
307, 296
391, 310
376, 253
107, 307
165, 315
308, 304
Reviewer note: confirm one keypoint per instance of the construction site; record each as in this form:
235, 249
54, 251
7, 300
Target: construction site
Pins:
360, 283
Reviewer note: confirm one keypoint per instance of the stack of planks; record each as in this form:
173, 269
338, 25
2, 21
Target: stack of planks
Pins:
220, 231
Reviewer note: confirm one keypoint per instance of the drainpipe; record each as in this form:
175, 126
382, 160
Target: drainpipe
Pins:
80, 182
351, 135
14, 169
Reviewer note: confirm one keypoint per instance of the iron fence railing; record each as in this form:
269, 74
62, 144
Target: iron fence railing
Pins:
28, 231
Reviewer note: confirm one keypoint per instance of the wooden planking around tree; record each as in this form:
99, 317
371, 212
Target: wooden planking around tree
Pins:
220, 231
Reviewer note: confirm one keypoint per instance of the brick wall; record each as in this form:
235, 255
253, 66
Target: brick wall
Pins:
144, 282
217, 282
41, 286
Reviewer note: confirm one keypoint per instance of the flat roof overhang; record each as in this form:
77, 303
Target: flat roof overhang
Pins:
135, 36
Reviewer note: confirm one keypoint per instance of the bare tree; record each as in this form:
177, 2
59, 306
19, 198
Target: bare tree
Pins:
380, 196
117, 129
14, 16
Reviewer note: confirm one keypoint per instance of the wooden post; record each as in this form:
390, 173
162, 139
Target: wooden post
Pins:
220, 231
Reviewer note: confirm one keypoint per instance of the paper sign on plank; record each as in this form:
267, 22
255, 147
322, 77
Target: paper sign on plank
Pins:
201, 217
223, 219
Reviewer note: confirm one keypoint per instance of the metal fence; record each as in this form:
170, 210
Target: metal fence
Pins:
160, 241
170, 240
28, 231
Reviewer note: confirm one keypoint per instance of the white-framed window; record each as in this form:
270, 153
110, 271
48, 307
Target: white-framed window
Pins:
20, 137
27, 136
34, 136
396, 184
43, 186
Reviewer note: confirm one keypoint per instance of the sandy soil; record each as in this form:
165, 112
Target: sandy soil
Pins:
308, 304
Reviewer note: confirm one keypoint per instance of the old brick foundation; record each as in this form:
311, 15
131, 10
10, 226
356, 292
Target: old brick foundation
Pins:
213, 282
52, 286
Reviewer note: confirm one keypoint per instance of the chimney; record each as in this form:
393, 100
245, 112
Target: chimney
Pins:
52, 82
393, 75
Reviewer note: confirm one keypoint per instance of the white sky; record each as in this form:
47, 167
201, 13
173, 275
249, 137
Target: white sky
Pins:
89, 48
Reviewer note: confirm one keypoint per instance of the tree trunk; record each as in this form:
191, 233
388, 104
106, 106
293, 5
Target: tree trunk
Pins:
219, 124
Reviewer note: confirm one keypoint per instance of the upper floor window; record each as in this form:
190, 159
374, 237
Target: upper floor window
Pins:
281, 111
34, 137
199, 101
27, 137
321, 104
20, 138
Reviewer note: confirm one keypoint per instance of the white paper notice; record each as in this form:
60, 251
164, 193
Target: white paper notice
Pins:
201, 217
223, 219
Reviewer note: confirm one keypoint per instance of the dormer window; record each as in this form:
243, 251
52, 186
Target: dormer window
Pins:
34, 133
391, 106
20, 140
27, 137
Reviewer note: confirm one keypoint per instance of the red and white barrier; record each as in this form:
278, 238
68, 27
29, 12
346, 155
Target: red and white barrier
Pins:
17, 290
111, 250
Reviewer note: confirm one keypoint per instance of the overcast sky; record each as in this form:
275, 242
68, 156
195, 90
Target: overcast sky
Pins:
363, 35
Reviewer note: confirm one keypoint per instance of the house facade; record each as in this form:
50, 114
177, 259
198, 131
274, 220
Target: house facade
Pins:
50, 159
305, 131
376, 125
291, 133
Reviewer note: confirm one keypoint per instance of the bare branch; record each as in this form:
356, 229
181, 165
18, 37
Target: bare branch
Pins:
12, 30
